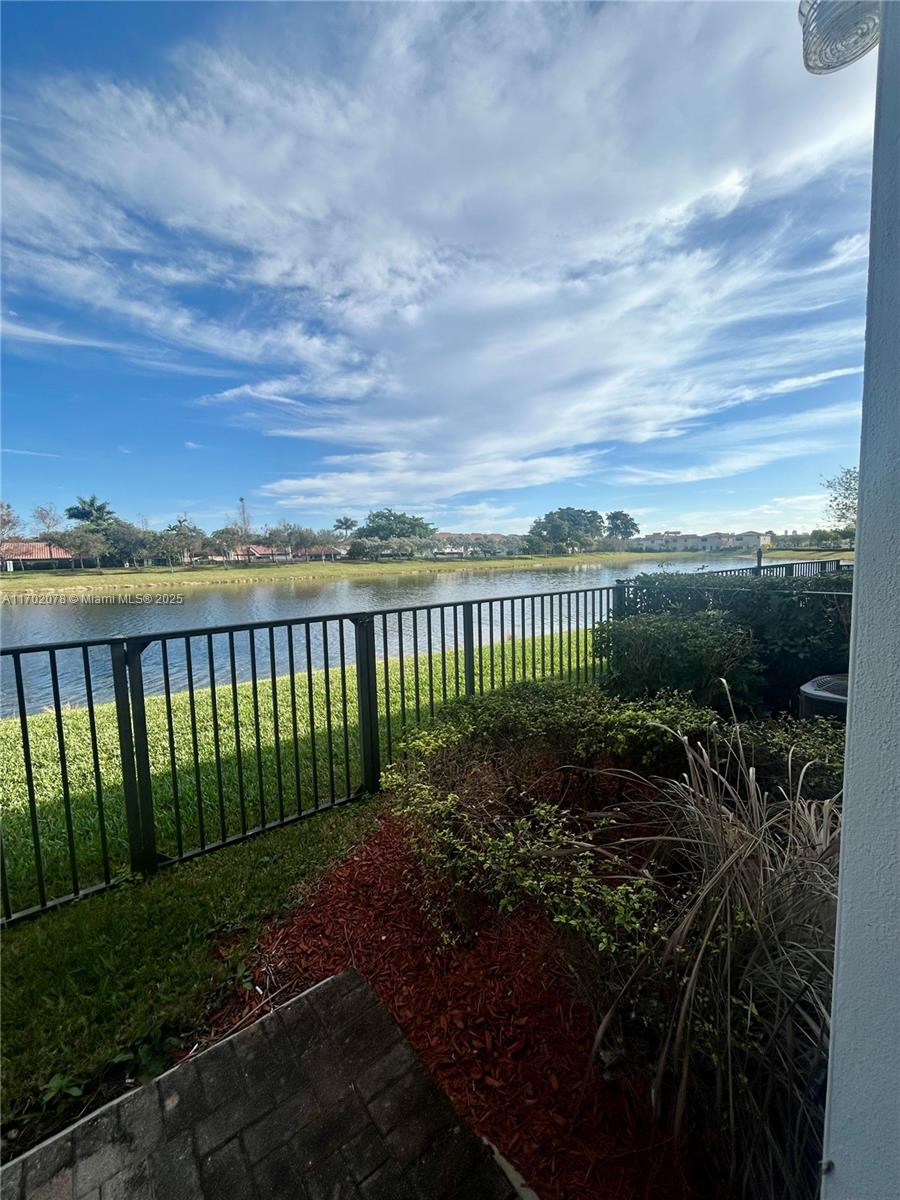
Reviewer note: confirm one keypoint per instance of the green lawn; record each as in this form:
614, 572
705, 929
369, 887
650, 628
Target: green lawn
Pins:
122, 972
113, 579
231, 783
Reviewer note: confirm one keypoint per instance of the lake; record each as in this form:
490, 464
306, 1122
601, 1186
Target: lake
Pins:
75, 618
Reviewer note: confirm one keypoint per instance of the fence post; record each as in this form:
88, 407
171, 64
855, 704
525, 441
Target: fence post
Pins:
367, 695
126, 753
469, 646
789, 570
134, 648
618, 599
759, 557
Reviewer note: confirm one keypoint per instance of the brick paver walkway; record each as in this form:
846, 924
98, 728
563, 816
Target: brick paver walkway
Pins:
322, 1099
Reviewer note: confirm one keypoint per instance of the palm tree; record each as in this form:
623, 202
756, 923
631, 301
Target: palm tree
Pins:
345, 526
89, 509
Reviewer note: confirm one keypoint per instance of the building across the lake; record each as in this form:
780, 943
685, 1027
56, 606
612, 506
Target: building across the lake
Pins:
18, 555
674, 539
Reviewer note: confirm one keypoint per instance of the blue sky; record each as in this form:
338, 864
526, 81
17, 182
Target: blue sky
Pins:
474, 262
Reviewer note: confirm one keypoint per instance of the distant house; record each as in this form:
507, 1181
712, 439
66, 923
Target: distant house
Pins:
256, 552
674, 539
24, 556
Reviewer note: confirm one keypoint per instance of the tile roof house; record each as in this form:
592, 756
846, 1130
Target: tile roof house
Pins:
25, 554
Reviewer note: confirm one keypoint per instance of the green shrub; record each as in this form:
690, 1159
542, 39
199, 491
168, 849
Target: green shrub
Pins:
696, 911
800, 626
783, 749
688, 651
573, 724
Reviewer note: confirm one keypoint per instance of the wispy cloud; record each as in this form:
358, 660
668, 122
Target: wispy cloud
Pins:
496, 254
31, 453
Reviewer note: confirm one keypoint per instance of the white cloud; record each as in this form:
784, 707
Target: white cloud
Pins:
473, 248
741, 446
31, 453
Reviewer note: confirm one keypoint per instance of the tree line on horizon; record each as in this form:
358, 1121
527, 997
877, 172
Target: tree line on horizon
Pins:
95, 533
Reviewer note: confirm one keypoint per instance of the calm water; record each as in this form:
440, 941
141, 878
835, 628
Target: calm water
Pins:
234, 604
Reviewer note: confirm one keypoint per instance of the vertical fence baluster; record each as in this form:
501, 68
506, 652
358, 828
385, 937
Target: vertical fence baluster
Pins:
387, 686
328, 730
367, 698
134, 648
469, 647
126, 754
415, 632
64, 773
254, 684
512, 639
346, 732
313, 758
402, 670
562, 642
95, 759
171, 735
238, 757
292, 670
192, 706
214, 703
479, 608
502, 644
456, 646
428, 613
29, 782
276, 729
443, 654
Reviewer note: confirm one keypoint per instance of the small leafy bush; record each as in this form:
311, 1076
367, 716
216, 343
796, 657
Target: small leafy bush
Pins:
573, 724
800, 626
688, 651
790, 753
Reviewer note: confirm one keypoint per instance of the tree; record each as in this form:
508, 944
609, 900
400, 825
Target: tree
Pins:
187, 537
10, 523
84, 542
384, 523
90, 510
124, 541
224, 541
569, 529
620, 524
47, 518
843, 493
345, 526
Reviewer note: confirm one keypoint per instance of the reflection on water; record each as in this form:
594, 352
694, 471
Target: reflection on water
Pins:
206, 656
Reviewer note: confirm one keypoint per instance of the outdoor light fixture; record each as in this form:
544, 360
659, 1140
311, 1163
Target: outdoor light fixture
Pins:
837, 32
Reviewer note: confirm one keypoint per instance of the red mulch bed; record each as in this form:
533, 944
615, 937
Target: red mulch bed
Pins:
497, 1022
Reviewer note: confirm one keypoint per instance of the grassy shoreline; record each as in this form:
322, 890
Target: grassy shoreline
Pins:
136, 579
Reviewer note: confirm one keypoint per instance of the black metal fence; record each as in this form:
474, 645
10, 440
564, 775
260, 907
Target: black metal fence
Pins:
788, 570
124, 755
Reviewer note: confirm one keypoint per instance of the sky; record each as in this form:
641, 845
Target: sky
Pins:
474, 262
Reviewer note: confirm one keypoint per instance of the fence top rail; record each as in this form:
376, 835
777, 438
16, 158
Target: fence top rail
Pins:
168, 635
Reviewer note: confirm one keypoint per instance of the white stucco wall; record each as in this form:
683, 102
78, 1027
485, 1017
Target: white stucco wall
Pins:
862, 1147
